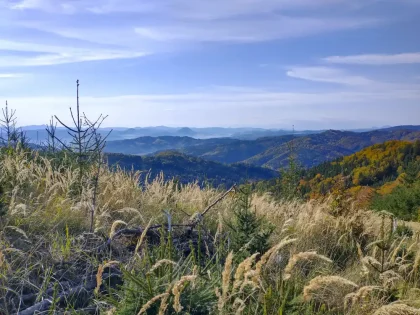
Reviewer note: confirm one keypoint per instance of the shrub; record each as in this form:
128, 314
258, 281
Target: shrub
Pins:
403, 201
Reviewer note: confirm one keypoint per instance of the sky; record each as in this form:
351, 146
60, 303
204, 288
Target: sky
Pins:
314, 64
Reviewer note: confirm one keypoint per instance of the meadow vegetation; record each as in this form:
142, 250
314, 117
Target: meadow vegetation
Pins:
252, 255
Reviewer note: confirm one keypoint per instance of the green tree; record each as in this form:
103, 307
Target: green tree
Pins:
249, 233
411, 173
290, 177
11, 136
403, 201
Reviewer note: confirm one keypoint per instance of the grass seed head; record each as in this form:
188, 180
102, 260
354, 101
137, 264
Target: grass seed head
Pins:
397, 309
303, 257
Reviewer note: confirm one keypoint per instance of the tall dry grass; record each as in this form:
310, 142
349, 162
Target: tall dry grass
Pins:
323, 261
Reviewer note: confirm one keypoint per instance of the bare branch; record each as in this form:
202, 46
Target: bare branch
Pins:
64, 125
63, 144
72, 116
233, 188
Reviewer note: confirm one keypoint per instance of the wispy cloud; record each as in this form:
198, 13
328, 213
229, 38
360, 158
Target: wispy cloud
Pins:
328, 75
45, 5
194, 9
146, 27
376, 59
355, 82
249, 30
44, 55
80, 6
10, 75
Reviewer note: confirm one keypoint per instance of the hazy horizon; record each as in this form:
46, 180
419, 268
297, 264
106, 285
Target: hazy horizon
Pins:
41, 126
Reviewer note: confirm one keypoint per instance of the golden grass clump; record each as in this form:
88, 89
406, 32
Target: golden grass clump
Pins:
164, 302
304, 260
239, 306
366, 299
397, 309
2, 259
416, 265
178, 288
265, 259
20, 209
243, 268
390, 279
146, 306
114, 227
15, 230
229, 297
371, 263
142, 237
160, 263
100, 272
328, 290
226, 274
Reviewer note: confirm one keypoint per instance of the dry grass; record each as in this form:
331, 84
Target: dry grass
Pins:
397, 309
303, 261
329, 290
343, 266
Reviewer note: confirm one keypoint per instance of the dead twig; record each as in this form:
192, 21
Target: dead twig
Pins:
233, 188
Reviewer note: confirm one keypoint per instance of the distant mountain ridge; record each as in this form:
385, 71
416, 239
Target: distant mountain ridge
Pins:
37, 133
403, 127
269, 152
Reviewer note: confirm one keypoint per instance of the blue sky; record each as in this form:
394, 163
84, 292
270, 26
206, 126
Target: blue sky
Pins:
314, 64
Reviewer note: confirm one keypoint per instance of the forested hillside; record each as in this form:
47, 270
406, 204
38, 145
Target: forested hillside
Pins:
270, 152
236, 151
315, 149
384, 176
188, 169
147, 145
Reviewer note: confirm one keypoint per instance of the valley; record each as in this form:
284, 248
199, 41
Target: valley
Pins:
269, 152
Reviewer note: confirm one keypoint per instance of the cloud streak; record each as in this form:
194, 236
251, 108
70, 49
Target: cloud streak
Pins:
147, 27
10, 75
46, 55
252, 30
376, 59
191, 9
328, 75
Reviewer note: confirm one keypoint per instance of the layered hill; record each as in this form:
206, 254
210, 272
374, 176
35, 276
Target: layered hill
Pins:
147, 145
314, 149
236, 151
270, 152
188, 169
